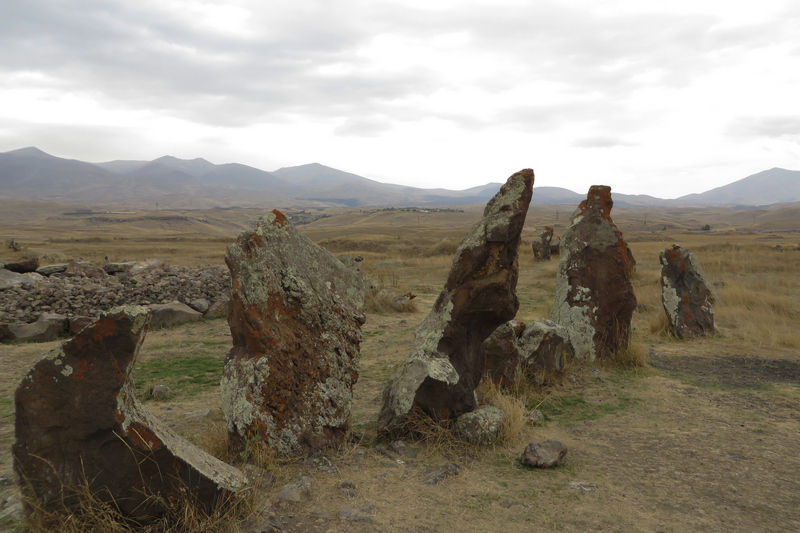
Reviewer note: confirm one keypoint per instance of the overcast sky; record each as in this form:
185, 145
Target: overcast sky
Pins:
660, 98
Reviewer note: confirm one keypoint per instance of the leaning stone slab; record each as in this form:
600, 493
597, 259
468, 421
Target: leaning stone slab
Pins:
167, 315
685, 294
594, 295
295, 317
447, 361
79, 422
48, 327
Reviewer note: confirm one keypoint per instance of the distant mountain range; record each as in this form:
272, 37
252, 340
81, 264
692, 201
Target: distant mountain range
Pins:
32, 174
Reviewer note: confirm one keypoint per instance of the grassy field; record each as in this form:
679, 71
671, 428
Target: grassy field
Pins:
704, 438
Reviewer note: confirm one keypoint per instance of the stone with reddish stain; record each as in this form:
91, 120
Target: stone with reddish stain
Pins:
594, 295
295, 317
686, 296
79, 422
542, 245
448, 358
535, 352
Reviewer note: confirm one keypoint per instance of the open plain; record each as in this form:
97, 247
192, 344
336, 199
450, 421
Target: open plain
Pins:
703, 438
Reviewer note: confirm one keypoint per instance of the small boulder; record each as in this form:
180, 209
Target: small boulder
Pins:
166, 315
437, 475
49, 326
148, 265
22, 266
162, 392
295, 492
481, 426
117, 268
84, 270
364, 514
219, 309
77, 323
544, 454
49, 270
200, 305
10, 279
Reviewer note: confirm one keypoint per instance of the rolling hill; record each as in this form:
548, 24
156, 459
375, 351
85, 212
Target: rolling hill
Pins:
32, 174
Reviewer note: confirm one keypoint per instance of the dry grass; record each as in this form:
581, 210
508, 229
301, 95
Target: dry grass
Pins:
513, 405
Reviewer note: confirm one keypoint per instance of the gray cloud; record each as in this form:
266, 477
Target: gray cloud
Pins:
126, 54
772, 127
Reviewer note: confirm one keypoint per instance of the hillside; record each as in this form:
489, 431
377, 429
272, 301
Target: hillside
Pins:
169, 182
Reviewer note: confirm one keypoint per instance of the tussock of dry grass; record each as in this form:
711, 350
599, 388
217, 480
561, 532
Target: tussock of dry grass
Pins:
511, 404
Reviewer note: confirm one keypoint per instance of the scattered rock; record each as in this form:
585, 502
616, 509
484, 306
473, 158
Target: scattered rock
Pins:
294, 492
22, 266
535, 418
538, 352
162, 392
219, 308
594, 295
200, 305
116, 268
323, 464
172, 314
440, 474
78, 420
481, 426
50, 326
544, 454
48, 270
402, 449
84, 270
365, 514
9, 279
447, 362
148, 265
347, 488
581, 486
296, 316
686, 295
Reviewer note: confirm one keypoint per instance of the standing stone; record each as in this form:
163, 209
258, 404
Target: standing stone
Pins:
685, 294
79, 422
295, 317
541, 245
555, 246
447, 361
537, 352
594, 295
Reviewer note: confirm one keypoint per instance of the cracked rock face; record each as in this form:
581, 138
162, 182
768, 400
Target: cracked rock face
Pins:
447, 361
594, 295
686, 296
78, 421
537, 352
295, 317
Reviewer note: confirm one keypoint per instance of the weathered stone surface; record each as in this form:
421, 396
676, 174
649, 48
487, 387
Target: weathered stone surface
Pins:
437, 475
84, 270
544, 454
148, 265
503, 353
296, 316
9, 280
555, 246
116, 268
22, 266
77, 323
594, 295
546, 349
542, 243
686, 295
48, 270
295, 492
536, 352
50, 326
200, 305
166, 315
481, 426
219, 308
447, 361
78, 421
